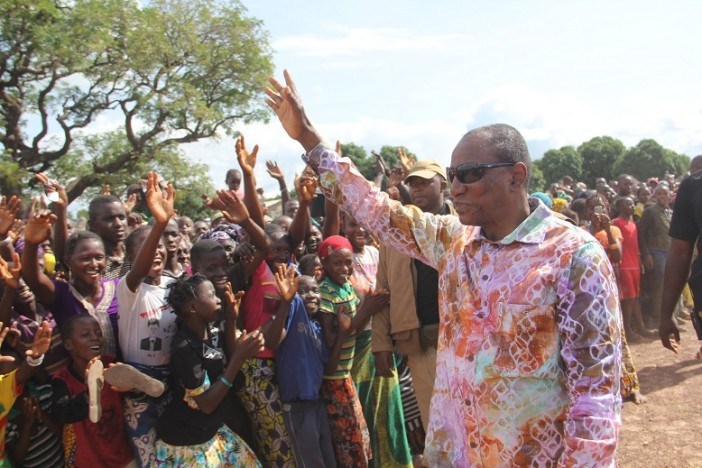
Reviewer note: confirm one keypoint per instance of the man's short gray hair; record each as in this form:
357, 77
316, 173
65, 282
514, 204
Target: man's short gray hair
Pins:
508, 143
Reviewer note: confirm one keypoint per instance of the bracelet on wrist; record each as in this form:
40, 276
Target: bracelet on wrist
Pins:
225, 381
35, 362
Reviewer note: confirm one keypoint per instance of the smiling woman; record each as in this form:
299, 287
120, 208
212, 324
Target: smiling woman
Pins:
87, 292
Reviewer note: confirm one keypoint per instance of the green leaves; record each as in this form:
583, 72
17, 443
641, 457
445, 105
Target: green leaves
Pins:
168, 72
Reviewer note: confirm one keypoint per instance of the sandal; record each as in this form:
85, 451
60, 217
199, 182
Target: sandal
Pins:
123, 375
94, 382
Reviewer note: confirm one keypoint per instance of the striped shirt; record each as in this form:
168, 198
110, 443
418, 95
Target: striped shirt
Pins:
45, 448
336, 299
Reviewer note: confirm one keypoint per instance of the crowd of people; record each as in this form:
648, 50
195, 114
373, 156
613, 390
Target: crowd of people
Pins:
366, 324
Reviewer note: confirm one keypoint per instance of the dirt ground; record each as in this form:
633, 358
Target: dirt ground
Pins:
665, 431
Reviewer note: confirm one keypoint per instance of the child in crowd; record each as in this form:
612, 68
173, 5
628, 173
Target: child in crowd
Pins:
87, 292
310, 265
191, 430
300, 361
92, 418
147, 322
13, 377
338, 300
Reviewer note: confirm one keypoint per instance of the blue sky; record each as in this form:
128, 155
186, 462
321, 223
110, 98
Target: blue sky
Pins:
421, 74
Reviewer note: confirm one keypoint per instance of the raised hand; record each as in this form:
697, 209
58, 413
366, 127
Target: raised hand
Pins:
11, 275
307, 189
406, 161
274, 170
105, 190
53, 186
130, 203
42, 341
231, 206
8, 213
247, 160
249, 344
38, 229
397, 175
339, 151
286, 281
287, 105
161, 204
233, 300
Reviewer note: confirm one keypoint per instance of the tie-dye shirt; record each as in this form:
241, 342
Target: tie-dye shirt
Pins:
529, 354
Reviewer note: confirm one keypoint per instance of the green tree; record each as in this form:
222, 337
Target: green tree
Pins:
599, 156
537, 182
649, 159
359, 156
173, 71
557, 163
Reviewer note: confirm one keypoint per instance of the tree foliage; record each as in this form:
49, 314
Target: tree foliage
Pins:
173, 71
537, 182
599, 156
557, 163
649, 159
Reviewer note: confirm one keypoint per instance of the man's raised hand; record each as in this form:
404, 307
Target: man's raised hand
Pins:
38, 229
10, 275
274, 170
287, 105
287, 283
231, 206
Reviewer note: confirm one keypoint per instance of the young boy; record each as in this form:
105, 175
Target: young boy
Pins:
300, 361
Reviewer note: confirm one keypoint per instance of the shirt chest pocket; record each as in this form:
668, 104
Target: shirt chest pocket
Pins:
525, 338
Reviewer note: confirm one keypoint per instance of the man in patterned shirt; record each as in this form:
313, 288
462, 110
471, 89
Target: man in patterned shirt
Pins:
529, 354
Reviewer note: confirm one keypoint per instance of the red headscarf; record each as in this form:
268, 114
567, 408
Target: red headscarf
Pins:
331, 244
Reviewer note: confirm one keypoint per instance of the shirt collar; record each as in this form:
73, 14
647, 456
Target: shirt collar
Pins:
531, 231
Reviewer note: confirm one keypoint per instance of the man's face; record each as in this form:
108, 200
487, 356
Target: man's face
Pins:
425, 194
199, 228
626, 206
110, 223
662, 197
171, 237
624, 185
484, 202
339, 266
291, 208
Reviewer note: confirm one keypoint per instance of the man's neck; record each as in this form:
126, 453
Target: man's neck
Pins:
114, 250
437, 209
172, 263
509, 223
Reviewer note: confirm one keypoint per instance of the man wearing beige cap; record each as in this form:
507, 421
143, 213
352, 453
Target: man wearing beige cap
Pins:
411, 321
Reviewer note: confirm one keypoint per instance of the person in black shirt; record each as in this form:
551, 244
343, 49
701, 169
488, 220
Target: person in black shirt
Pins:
191, 430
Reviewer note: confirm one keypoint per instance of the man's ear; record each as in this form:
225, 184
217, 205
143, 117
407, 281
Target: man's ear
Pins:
520, 173
68, 344
444, 184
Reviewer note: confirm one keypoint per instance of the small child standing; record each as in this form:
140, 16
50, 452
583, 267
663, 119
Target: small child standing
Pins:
300, 361
338, 301
87, 443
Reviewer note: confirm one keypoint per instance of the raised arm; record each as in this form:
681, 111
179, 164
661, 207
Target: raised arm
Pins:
231, 313
235, 211
161, 205
246, 346
277, 173
37, 231
407, 229
8, 214
247, 161
305, 194
61, 212
274, 330
591, 352
10, 276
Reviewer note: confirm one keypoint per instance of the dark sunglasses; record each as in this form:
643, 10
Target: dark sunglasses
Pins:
469, 173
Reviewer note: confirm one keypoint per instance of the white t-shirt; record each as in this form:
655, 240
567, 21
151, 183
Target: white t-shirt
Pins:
146, 323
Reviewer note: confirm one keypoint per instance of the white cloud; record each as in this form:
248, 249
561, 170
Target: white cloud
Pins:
342, 41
